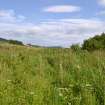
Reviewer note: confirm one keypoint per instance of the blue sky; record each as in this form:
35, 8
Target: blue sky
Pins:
51, 22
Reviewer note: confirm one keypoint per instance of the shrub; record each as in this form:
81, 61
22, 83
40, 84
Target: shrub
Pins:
76, 47
95, 43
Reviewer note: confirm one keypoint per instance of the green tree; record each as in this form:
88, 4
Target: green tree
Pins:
97, 42
76, 47
15, 42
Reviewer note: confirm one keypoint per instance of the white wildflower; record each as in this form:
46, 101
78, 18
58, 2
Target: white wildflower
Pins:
9, 80
32, 93
60, 94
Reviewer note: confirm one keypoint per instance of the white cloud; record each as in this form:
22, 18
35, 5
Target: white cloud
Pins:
10, 16
7, 13
102, 2
61, 32
62, 9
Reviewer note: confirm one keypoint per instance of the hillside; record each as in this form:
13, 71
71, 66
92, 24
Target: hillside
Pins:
48, 76
10, 41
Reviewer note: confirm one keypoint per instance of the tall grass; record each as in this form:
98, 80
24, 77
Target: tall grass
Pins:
48, 76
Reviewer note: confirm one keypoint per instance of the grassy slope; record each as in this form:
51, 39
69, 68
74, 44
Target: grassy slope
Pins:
38, 76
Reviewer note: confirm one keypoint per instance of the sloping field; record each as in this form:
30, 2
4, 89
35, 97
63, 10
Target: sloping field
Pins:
48, 76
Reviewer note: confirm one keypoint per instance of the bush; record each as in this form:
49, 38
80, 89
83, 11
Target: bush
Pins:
75, 47
95, 43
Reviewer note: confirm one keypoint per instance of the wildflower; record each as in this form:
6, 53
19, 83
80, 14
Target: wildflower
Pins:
69, 103
88, 85
32, 93
78, 67
60, 94
8, 80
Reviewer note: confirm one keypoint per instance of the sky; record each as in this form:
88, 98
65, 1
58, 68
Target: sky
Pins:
51, 22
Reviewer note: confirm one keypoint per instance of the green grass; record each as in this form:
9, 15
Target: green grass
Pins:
48, 76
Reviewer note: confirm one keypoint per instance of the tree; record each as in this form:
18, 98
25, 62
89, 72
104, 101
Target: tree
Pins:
15, 42
97, 42
75, 47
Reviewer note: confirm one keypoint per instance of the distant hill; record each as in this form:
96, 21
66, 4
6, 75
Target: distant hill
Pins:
11, 41
1, 39
38, 46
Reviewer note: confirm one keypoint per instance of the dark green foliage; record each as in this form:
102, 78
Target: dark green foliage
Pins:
76, 89
11, 41
15, 42
75, 47
50, 61
95, 43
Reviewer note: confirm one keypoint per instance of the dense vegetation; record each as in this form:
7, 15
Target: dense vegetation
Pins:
95, 43
11, 41
15, 42
48, 76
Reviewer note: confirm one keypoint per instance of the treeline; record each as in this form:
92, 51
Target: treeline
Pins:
15, 42
95, 43
11, 41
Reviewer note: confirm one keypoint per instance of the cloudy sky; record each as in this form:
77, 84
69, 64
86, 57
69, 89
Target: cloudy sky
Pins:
51, 22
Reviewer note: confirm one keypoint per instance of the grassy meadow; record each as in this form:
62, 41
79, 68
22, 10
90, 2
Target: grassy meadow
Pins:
51, 76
